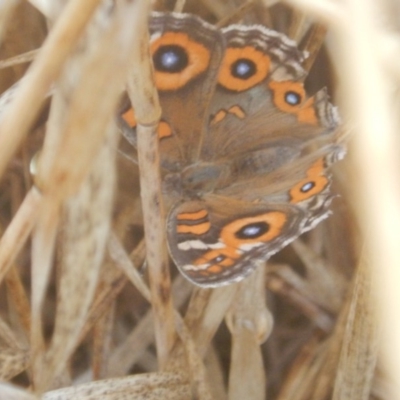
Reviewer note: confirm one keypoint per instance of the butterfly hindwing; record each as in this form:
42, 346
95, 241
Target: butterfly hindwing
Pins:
215, 241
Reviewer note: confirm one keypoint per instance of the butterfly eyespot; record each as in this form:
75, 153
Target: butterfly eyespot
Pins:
256, 229
218, 259
315, 182
177, 59
243, 68
292, 98
252, 231
170, 58
307, 187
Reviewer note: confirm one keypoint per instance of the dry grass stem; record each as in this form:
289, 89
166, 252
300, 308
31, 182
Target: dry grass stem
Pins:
179, 5
207, 309
44, 6
18, 297
237, 15
122, 260
144, 98
6, 9
12, 393
250, 324
18, 231
44, 71
197, 372
359, 352
102, 344
131, 350
288, 286
22, 58
377, 160
298, 22
327, 10
312, 46
218, 8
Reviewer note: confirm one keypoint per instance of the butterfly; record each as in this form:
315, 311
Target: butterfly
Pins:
244, 151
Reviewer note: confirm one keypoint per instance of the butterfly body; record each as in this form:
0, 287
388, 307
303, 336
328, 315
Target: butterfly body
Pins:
244, 150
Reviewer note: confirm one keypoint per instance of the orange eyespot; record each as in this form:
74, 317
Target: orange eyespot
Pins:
222, 257
244, 231
177, 60
291, 97
261, 228
314, 183
243, 68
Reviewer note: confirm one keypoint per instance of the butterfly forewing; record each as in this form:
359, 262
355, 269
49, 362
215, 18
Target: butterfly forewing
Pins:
186, 55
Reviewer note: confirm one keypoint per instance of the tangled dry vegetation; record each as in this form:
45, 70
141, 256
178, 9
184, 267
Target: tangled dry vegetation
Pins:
83, 315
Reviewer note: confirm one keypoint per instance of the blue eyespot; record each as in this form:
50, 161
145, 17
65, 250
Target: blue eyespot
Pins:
292, 98
218, 259
243, 68
252, 231
307, 187
170, 58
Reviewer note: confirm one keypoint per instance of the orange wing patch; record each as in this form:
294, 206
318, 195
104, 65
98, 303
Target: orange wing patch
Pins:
218, 117
221, 114
198, 229
315, 183
290, 97
129, 117
195, 215
163, 129
237, 111
195, 222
